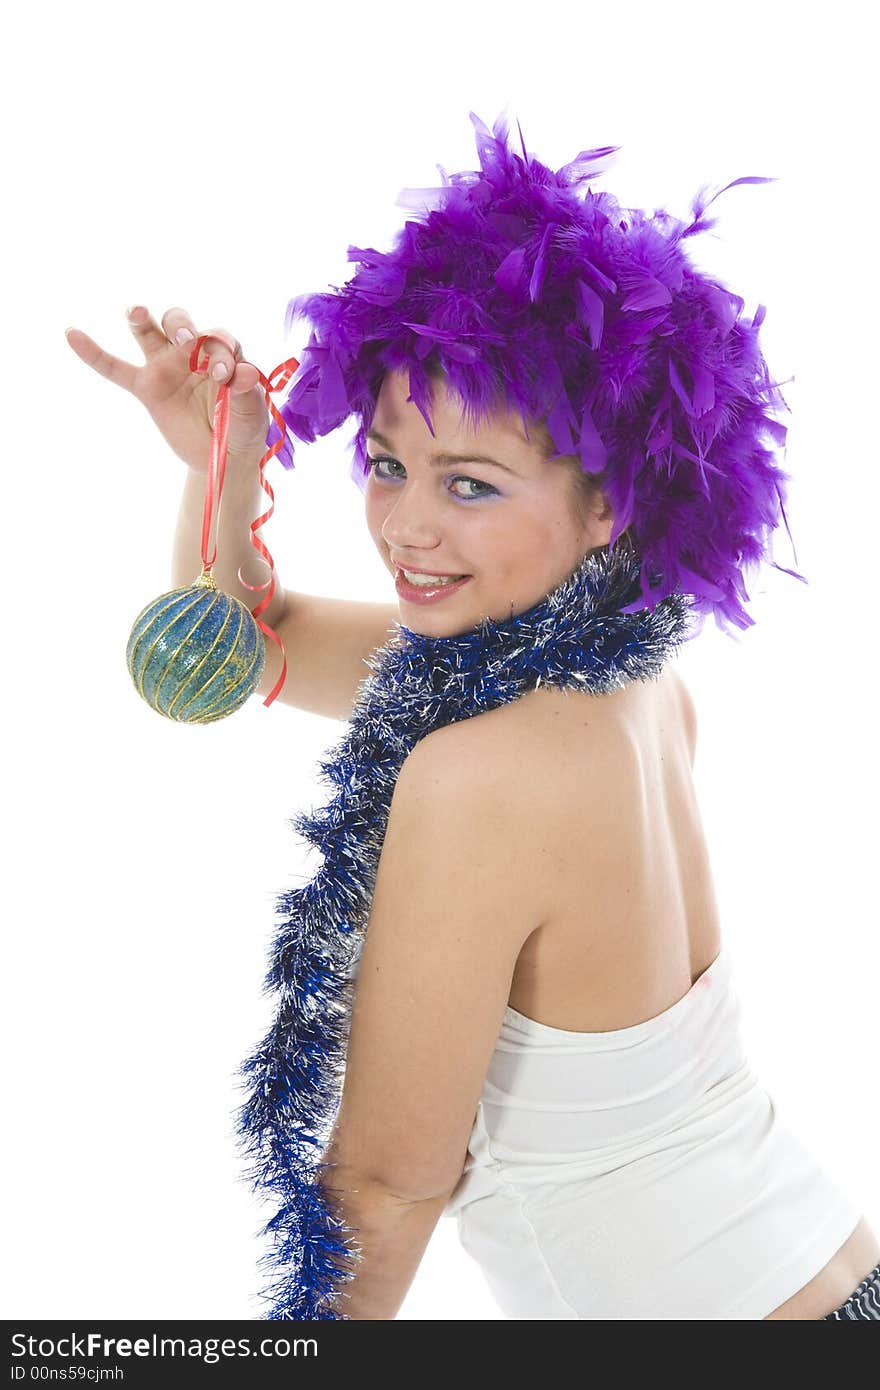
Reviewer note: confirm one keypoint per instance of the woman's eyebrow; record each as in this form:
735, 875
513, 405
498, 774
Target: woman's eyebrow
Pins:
445, 458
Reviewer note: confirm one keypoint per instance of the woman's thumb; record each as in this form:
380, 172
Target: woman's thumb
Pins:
245, 377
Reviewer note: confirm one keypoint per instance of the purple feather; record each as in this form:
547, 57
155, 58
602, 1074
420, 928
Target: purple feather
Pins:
530, 291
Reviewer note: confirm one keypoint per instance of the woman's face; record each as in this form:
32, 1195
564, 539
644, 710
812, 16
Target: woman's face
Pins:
512, 526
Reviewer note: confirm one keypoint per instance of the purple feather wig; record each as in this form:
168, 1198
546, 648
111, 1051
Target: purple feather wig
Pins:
527, 293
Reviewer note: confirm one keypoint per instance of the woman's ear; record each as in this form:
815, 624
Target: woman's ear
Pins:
591, 502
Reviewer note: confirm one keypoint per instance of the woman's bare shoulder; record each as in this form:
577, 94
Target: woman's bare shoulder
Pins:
547, 728
526, 742
687, 708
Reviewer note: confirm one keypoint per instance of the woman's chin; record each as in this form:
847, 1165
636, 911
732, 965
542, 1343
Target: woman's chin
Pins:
439, 621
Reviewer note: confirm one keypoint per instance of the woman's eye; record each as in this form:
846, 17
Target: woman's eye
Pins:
374, 464
486, 488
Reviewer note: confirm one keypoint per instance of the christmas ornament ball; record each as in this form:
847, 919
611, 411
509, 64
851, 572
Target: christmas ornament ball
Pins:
196, 654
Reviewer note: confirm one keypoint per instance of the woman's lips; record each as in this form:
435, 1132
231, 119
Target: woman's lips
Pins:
423, 593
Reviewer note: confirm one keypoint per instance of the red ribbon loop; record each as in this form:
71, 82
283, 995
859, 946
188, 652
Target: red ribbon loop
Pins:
214, 490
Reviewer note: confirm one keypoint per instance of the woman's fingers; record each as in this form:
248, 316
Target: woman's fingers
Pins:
222, 347
147, 331
173, 320
247, 376
224, 351
177, 322
113, 368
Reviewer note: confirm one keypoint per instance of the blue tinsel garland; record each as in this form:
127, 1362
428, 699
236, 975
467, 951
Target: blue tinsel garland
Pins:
586, 634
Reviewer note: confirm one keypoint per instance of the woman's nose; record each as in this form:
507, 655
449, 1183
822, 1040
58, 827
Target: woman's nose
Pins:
412, 520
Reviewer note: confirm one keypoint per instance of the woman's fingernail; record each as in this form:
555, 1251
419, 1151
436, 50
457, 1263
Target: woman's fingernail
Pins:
219, 371
183, 335
135, 309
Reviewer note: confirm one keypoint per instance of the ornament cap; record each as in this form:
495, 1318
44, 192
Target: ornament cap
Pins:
206, 579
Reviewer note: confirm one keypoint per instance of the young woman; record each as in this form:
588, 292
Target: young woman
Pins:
505, 996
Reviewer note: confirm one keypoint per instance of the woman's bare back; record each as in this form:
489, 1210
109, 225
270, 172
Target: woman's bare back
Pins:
631, 919
631, 916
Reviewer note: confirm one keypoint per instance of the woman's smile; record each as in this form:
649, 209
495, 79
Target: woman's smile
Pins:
430, 592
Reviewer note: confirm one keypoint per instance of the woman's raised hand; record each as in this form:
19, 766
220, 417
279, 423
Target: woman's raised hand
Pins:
181, 401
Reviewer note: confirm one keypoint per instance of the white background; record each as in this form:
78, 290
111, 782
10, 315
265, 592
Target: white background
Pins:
223, 159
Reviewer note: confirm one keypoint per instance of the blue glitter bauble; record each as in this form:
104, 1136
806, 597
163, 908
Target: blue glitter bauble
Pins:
196, 654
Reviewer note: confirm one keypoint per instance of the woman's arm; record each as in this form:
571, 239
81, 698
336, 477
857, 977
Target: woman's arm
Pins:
393, 1235
327, 641
455, 899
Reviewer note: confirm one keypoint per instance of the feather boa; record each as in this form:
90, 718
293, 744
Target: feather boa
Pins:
590, 633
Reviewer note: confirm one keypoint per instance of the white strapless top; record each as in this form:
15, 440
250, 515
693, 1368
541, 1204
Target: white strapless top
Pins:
642, 1173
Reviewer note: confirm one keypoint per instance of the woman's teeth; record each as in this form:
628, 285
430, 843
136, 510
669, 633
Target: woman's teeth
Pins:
426, 580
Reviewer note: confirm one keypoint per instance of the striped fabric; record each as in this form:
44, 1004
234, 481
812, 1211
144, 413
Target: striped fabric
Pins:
863, 1304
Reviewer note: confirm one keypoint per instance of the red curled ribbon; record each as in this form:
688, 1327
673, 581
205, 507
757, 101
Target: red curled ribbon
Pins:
217, 473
